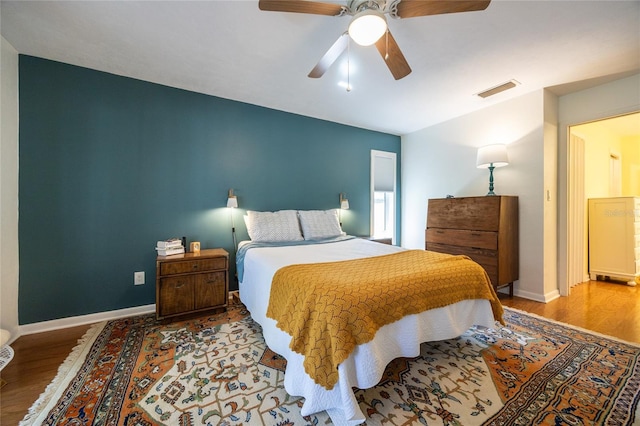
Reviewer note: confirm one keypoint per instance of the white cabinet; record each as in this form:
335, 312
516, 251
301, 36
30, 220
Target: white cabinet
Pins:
614, 237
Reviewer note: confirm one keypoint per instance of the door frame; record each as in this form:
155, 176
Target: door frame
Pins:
569, 253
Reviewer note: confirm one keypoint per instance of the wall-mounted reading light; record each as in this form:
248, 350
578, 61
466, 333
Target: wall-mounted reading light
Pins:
344, 203
232, 203
232, 200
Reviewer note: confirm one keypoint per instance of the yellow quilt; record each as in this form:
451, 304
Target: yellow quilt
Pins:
329, 308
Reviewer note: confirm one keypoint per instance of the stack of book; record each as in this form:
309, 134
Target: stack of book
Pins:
169, 247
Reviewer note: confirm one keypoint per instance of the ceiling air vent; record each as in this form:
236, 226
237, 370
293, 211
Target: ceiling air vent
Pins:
497, 89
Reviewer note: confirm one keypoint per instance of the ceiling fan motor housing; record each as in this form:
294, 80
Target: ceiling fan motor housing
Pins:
389, 7
356, 6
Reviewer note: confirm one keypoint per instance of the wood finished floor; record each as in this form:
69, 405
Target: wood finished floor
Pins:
604, 307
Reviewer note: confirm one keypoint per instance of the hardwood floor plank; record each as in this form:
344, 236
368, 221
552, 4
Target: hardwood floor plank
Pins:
604, 307
35, 364
609, 308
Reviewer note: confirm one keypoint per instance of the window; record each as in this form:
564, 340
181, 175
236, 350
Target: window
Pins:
383, 195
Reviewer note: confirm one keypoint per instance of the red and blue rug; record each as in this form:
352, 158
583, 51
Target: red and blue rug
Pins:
217, 370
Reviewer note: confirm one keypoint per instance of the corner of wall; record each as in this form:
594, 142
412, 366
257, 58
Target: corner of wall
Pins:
550, 195
9, 189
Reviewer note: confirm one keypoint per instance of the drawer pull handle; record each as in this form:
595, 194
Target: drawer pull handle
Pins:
439, 232
475, 234
195, 266
179, 285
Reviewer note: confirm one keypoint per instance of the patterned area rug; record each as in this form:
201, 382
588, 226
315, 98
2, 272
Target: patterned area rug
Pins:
217, 371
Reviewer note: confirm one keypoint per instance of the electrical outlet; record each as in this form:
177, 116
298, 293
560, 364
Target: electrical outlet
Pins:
138, 278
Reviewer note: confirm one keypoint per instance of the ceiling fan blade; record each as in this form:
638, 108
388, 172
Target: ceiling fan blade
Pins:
330, 57
298, 6
392, 55
413, 8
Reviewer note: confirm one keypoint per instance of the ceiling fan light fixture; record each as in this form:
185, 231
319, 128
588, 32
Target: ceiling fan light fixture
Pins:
367, 27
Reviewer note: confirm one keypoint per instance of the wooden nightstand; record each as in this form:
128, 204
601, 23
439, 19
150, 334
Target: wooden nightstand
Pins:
192, 282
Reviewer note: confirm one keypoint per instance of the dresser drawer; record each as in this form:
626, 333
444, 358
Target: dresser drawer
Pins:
488, 259
182, 267
487, 255
478, 213
463, 237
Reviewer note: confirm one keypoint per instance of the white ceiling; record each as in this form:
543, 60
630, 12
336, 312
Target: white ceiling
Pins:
233, 50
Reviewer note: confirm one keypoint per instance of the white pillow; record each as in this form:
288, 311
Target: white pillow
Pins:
274, 226
318, 224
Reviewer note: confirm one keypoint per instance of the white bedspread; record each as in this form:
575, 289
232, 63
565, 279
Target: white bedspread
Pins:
364, 368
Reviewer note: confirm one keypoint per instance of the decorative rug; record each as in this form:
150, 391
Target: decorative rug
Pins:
217, 370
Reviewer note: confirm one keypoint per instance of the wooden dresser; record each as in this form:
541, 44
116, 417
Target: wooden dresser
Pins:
192, 282
483, 228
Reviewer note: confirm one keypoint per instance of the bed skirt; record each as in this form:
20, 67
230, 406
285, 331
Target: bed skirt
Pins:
365, 366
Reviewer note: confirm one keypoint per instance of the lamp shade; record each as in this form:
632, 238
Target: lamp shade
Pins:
492, 155
232, 200
344, 202
367, 27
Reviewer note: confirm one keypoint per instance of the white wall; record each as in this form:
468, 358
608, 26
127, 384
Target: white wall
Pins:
441, 160
604, 101
631, 165
600, 142
9, 189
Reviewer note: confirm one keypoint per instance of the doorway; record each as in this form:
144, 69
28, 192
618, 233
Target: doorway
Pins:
603, 156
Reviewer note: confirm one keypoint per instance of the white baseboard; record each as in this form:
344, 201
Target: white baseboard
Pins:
57, 324
545, 298
553, 295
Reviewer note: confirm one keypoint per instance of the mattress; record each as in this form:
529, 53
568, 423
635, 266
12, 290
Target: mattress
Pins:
364, 367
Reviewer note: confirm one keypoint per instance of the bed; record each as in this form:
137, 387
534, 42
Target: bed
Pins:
258, 264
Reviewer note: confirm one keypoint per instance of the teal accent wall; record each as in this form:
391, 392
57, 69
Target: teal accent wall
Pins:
109, 165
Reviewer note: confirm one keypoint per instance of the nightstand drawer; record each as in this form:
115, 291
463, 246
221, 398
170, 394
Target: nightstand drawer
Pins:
210, 290
175, 295
463, 237
186, 266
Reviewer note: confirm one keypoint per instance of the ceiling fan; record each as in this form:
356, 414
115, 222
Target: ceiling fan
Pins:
369, 24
